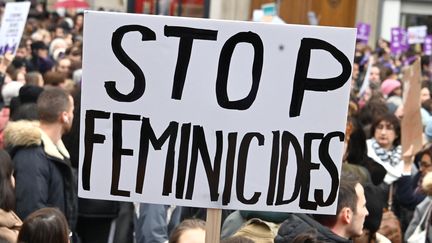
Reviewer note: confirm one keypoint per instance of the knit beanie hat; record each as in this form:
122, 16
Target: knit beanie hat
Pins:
389, 85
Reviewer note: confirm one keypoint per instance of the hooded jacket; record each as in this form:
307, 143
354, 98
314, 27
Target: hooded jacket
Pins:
43, 174
296, 224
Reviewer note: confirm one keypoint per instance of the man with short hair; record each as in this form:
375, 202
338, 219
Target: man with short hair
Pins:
63, 66
43, 172
347, 223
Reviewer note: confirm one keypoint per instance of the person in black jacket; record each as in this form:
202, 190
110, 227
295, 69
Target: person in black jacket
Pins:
347, 223
409, 191
44, 176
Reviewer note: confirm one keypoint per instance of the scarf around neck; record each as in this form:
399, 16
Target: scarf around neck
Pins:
392, 156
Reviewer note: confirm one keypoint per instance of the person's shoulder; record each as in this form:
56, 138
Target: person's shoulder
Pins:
29, 157
290, 228
22, 134
297, 224
421, 207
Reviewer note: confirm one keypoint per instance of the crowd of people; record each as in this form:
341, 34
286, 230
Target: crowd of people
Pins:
39, 138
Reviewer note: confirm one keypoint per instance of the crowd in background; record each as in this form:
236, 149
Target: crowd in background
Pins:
39, 138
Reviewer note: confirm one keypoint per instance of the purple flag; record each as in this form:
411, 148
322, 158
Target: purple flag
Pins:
363, 31
427, 45
399, 40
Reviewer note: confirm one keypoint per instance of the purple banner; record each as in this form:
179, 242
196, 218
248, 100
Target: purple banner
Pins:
363, 31
399, 40
427, 45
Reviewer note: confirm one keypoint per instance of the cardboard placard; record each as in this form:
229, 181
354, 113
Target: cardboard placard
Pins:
12, 26
399, 40
417, 34
213, 114
411, 124
363, 32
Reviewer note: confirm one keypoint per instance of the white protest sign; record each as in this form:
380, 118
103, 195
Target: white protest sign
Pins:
214, 114
12, 26
417, 34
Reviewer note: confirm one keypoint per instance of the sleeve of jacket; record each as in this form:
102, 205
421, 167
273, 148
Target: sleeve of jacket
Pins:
31, 180
418, 213
405, 192
152, 225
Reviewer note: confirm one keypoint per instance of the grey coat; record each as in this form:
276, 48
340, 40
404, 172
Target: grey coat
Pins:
415, 221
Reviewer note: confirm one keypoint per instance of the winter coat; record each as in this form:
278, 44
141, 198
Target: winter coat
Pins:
10, 225
393, 172
420, 210
296, 224
405, 191
43, 174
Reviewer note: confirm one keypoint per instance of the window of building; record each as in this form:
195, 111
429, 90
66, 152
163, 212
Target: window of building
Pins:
185, 8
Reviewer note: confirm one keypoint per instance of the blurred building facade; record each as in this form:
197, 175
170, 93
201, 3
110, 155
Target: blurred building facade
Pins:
382, 15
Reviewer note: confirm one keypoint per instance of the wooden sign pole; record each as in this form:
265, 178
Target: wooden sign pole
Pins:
213, 225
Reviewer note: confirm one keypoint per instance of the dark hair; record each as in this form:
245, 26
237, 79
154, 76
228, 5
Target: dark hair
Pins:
385, 72
427, 105
393, 120
424, 60
426, 84
373, 108
27, 111
54, 78
425, 151
356, 149
46, 225
75, 49
7, 191
51, 103
184, 226
347, 199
